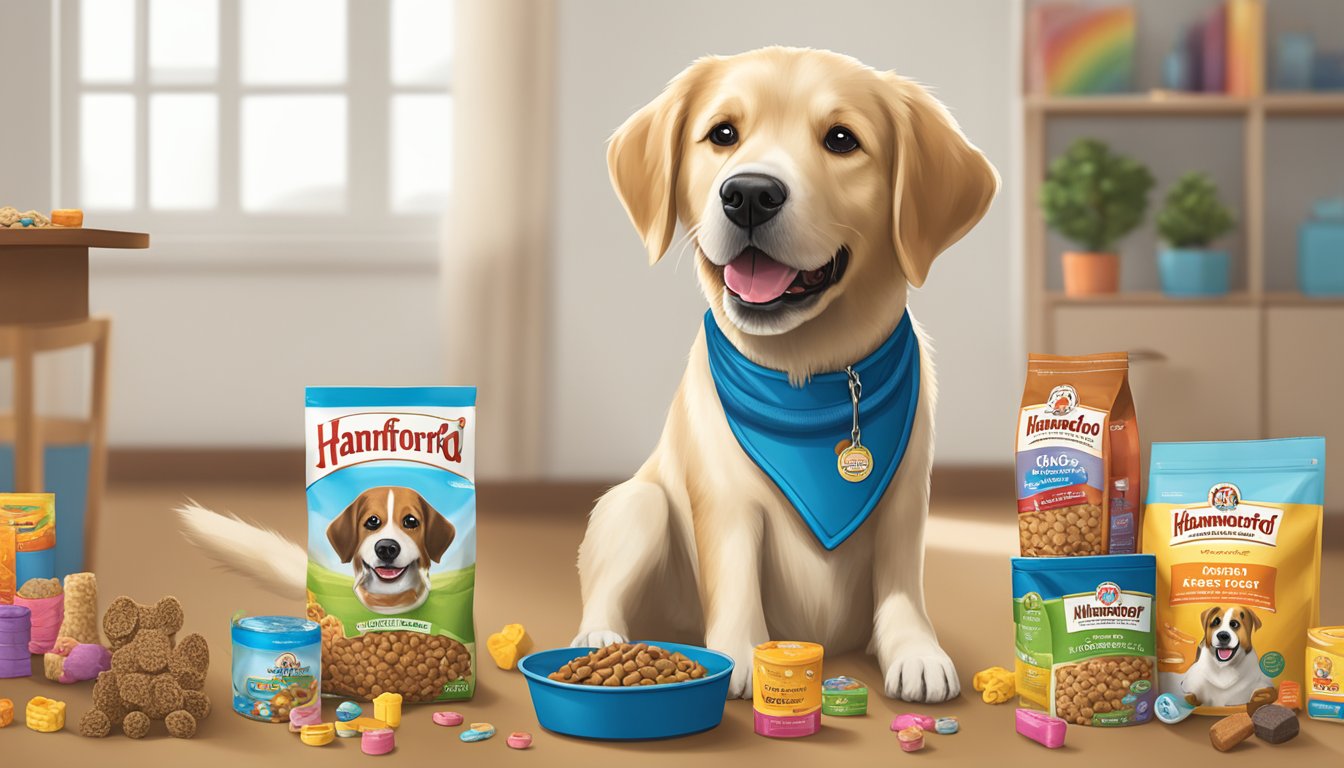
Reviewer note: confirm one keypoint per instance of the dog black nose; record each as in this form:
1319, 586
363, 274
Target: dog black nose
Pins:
1224, 637
751, 199
387, 550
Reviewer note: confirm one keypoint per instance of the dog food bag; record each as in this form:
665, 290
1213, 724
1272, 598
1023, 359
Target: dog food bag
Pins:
1085, 645
1077, 457
392, 539
1236, 529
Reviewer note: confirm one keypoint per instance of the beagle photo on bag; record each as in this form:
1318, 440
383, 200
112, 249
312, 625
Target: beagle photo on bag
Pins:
787, 496
1226, 671
391, 535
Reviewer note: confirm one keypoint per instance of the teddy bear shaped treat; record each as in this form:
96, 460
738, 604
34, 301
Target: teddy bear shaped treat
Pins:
152, 677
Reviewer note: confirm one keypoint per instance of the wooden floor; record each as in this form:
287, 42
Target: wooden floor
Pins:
528, 536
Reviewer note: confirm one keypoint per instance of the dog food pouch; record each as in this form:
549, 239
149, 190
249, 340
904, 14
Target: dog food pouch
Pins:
1077, 457
1236, 529
1085, 645
392, 539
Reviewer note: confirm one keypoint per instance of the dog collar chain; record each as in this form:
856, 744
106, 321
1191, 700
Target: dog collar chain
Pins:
789, 432
854, 462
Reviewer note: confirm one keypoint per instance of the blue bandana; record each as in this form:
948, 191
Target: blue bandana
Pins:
791, 432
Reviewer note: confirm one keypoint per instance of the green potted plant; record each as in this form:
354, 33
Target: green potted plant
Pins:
1191, 218
1093, 197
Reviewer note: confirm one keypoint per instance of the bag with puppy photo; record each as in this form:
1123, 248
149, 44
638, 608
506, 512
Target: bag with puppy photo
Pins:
1236, 529
392, 539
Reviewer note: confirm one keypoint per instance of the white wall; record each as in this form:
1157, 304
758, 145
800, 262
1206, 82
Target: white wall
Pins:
213, 342
621, 330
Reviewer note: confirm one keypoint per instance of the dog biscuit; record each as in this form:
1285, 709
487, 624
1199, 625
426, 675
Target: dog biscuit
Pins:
996, 685
1231, 731
509, 645
387, 707
947, 725
6, 712
911, 739
519, 740
910, 719
44, 715
318, 735
1275, 724
378, 741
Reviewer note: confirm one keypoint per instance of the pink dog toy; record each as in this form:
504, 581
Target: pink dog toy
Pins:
447, 718
1041, 728
84, 662
903, 721
379, 741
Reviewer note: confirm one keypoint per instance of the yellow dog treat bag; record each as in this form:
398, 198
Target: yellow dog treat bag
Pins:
1236, 529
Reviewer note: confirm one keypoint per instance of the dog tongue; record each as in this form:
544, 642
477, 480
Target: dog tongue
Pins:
757, 278
389, 573
1224, 653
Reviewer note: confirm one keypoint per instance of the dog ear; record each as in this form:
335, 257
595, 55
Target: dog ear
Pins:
439, 533
1255, 620
644, 157
942, 183
343, 533
1208, 615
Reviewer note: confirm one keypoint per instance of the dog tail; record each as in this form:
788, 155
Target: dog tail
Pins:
261, 554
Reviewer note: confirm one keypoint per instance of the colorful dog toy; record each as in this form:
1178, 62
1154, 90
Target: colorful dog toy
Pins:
996, 685
448, 718
378, 741
44, 715
387, 707
318, 735
478, 732
508, 645
947, 725
911, 719
911, 739
519, 740
1041, 728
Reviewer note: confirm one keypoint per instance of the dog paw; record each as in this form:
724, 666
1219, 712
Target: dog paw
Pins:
597, 638
923, 676
739, 684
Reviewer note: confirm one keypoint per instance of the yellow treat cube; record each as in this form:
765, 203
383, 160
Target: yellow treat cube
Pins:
45, 715
6, 712
387, 707
509, 645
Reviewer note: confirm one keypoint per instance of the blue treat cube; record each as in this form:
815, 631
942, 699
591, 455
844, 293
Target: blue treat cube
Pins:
26, 221
347, 711
1320, 258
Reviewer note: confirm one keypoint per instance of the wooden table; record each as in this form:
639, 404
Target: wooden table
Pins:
44, 306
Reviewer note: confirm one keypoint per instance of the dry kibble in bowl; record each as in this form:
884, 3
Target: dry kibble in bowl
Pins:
629, 664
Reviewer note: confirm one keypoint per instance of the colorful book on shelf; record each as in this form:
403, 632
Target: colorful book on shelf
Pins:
1075, 49
1214, 31
1245, 47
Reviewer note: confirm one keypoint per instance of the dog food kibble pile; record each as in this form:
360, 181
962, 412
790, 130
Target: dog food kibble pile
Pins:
35, 589
413, 664
1068, 531
623, 664
1098, 686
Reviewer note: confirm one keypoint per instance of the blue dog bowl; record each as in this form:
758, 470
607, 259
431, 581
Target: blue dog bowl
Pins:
627, 714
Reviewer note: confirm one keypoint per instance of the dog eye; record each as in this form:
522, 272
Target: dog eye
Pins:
373, 523
1234, 624
840, 140
409, 521
723, 134
1216, 621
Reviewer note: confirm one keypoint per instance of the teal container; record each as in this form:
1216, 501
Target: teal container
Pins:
65, 470
277, 665
1194, 272
1320, 258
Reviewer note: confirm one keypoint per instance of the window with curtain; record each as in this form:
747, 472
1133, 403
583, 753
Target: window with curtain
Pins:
205, 117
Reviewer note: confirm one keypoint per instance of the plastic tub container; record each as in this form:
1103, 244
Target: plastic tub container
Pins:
277, 666
628, 714
1320, 258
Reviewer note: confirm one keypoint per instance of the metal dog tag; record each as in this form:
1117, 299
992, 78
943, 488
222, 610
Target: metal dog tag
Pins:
855, 463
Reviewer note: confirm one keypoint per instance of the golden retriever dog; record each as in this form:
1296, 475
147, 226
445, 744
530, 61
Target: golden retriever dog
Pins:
814, 190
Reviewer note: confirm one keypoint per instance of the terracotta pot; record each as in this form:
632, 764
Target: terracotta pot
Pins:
1091, 274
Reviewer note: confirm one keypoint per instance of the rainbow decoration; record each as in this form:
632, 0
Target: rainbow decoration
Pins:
1079, 50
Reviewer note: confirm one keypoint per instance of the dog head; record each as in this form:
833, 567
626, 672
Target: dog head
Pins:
1228, 631
392, 534
814, 189
1322, 666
